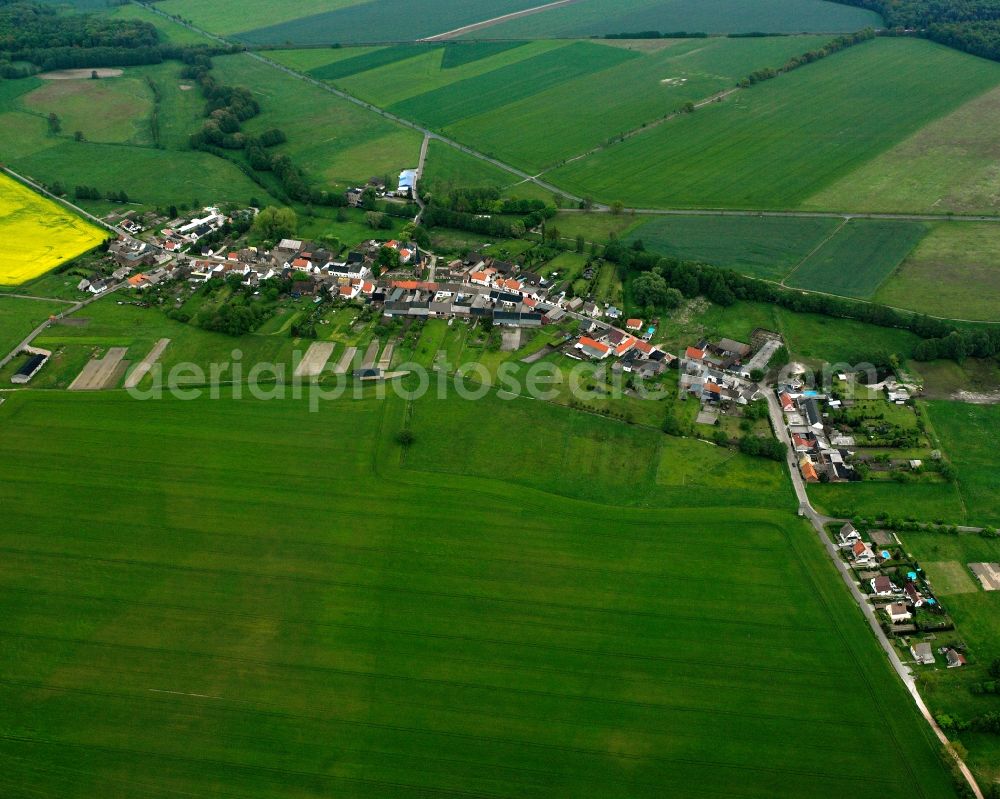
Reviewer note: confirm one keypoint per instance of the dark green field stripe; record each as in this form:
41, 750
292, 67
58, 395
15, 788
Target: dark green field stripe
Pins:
372, 60
466, 98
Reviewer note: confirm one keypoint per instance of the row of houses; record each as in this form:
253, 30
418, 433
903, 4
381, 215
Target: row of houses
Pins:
718, 373
899, 593
822, 457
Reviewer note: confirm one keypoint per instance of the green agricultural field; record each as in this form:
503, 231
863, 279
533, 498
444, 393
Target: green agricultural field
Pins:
172, 31
600, 17
310, 58
410, 631
954, 272
335, 141
18, 317
781, 142
594, 226
493, 90
970, 437
946, 166
921, 501
540, 103
423, 72
448, 168
766, 247
858, 258
378, 21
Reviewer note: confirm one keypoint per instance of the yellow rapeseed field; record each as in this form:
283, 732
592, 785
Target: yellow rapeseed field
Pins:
36, 234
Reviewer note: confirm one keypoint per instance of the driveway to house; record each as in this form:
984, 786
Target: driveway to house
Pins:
819, 522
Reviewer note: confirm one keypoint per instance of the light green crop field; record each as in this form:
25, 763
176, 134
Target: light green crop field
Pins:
277, 603
954, 272
332, 139
169, 29
782, 141
949, 165
767, 247
858, 258
600, 17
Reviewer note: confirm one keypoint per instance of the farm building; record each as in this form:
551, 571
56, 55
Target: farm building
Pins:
407, 183
29, 368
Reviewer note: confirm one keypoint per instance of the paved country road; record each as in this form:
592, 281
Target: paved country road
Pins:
819, 522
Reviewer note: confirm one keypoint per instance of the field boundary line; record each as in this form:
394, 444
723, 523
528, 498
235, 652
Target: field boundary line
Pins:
815, 250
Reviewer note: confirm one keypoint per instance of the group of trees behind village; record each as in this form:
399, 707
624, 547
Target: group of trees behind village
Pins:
655, 275
970, 25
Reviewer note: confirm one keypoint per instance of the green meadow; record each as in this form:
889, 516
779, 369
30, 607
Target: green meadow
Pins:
118, 150
275, 602
953, 272
780, 142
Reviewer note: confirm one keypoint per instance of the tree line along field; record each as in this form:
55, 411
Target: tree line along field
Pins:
46, 233
434, 633
536, 104
780, 142
947, 268
601, 17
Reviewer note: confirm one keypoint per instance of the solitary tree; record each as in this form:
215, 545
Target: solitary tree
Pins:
54, 124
